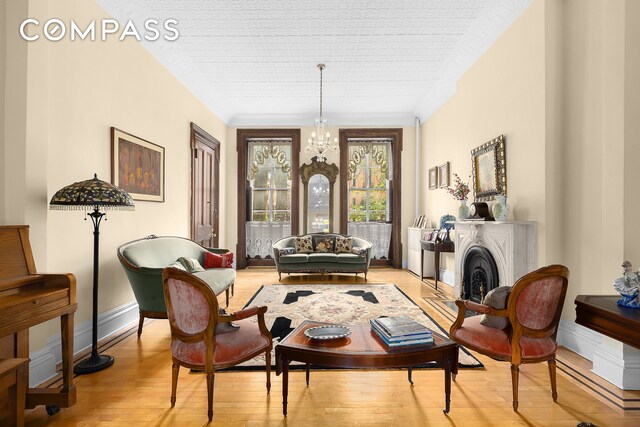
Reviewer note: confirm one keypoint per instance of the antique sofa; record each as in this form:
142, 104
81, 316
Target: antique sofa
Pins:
321, 262
144, 259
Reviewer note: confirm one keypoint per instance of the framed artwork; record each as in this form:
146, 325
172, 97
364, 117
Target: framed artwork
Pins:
137, 166
443, 175
489, 170
433, 178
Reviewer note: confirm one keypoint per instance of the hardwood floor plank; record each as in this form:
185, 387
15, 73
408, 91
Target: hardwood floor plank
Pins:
136, 390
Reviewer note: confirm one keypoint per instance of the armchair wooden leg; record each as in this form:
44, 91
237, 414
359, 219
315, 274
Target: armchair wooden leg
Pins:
515, 370
552, 376
140, 324
175, 370
233, 285
267, 357
210, 378
226, 293
279, 276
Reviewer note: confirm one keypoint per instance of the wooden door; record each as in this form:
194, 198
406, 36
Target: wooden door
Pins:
205, 174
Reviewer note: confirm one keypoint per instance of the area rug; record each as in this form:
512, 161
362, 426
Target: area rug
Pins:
289, 305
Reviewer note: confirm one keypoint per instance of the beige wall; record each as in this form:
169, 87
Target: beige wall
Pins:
3, 72
72, 93
561, 84
407, 177
600, 97
502, 93
632, 133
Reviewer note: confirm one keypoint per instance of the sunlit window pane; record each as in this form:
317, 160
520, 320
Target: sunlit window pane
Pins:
262, 178
259, 216
282, 199
260, 200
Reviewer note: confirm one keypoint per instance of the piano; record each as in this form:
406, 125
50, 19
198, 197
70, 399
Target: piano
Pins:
28, 299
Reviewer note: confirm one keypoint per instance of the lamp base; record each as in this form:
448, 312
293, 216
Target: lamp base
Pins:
95, 363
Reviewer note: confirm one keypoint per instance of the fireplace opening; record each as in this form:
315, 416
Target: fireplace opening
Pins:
480, 274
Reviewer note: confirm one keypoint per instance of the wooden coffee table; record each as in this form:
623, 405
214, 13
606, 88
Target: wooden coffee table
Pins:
362, 349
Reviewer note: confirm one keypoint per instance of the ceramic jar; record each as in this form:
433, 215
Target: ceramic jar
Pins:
463, 210
500, 208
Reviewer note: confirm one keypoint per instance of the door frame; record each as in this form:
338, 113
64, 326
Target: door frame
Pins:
395, 246
197, 134
241, 146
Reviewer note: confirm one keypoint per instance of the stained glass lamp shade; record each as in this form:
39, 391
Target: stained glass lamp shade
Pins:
92, 194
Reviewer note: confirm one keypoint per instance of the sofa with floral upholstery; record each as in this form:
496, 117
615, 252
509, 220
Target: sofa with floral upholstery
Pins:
322, 253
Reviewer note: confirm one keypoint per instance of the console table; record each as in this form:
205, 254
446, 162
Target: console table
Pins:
437, 248
602, 314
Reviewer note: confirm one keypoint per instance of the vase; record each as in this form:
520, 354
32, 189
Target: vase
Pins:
500, 208
463, 210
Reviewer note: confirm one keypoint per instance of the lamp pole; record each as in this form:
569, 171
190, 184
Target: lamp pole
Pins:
95, 362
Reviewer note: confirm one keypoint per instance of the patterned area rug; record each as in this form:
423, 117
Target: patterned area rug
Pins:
290, 305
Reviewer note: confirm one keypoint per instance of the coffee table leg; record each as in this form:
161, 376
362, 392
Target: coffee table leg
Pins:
285, 385
447, 387
308, 366
409, 371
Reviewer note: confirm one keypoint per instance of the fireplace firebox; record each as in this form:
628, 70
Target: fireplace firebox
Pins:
480, 274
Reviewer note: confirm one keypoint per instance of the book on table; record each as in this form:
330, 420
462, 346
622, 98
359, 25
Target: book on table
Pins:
401, 330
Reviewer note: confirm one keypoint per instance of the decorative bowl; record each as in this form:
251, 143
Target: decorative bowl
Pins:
327, 332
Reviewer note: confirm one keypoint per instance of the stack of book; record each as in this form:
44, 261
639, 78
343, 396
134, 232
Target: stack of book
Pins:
400, 331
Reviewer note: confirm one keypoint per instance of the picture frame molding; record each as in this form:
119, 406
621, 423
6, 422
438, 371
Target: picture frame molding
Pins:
496, 149
116, 134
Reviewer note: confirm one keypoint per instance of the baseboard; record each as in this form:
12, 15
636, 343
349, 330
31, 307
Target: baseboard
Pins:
43, 362
447, 277
578, 339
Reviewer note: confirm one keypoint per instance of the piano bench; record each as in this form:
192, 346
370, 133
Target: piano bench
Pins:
13, 380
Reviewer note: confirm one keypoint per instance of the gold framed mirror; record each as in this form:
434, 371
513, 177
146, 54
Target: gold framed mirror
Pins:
318, 179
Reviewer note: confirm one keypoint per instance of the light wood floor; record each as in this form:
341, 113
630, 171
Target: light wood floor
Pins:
136, 390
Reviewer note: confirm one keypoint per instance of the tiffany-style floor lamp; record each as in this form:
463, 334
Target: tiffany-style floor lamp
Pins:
96, 195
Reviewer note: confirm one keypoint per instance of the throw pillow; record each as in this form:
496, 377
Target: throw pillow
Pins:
359, 251
323, 244
304, 245
212, 260
286, 251
190, 264
343, 245
496, 298
176, 264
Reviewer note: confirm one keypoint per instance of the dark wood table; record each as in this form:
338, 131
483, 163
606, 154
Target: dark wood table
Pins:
436, 248
362, 349
601, 313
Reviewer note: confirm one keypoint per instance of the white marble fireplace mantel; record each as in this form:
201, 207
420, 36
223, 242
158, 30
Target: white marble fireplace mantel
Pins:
513, 245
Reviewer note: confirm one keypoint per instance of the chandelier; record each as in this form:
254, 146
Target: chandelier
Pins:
320, 141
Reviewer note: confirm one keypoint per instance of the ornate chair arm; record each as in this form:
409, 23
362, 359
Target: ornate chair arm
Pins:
243, 314
478, 308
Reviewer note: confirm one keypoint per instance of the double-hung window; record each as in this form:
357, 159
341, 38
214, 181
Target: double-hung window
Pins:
368, 185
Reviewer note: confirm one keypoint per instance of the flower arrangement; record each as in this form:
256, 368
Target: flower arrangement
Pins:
460, 190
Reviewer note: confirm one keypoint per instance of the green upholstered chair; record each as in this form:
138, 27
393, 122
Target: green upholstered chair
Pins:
144, 259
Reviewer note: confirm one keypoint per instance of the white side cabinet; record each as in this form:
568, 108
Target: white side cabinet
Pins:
414, 235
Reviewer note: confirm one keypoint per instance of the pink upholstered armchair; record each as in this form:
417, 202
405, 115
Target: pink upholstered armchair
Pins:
533, 308
199, 338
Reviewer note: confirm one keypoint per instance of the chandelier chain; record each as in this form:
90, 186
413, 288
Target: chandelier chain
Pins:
321, 66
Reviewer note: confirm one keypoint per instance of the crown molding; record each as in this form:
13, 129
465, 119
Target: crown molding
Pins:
279, 120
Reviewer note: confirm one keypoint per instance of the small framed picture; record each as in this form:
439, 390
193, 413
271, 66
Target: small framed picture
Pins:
443, 175
427, 236
433, 178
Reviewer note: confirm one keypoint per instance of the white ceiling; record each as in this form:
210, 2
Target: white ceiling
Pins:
253, 62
